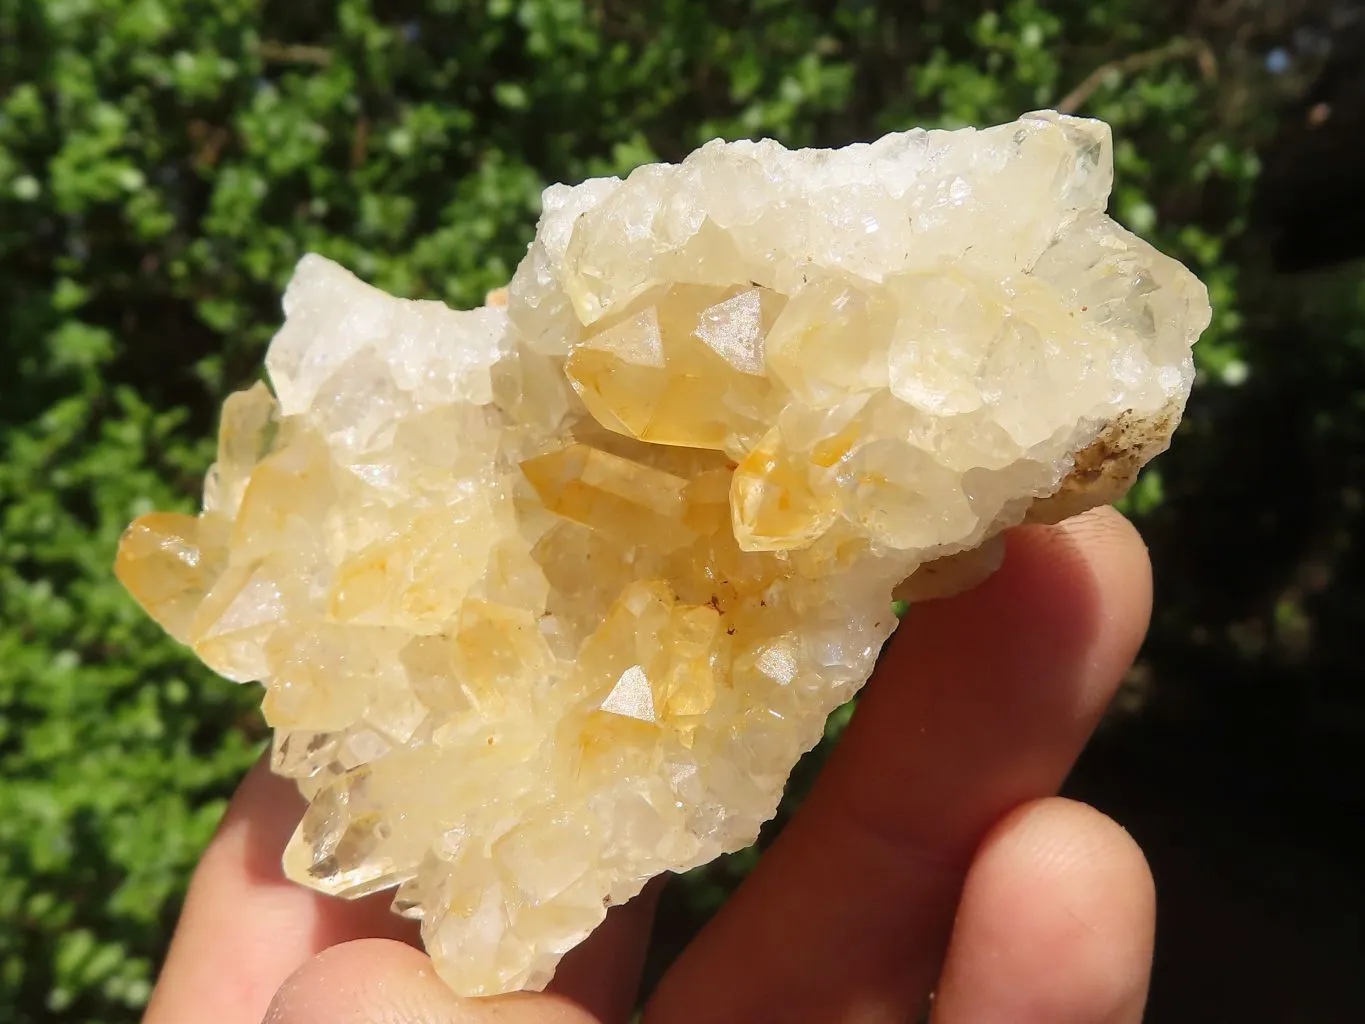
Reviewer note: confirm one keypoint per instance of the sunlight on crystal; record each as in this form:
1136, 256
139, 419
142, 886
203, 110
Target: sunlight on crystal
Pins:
548, 597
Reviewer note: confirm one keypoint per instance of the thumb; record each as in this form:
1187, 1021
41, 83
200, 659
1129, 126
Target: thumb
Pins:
379, 981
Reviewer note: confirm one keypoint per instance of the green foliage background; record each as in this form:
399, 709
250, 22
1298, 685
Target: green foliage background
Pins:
163, 164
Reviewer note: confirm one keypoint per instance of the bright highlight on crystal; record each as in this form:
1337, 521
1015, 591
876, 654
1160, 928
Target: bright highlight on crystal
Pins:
548, 597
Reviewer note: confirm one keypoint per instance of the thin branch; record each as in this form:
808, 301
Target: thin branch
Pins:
293, 53
1176, 49
209, 141
360, 142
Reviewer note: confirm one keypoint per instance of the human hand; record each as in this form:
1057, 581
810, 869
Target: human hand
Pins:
931, 856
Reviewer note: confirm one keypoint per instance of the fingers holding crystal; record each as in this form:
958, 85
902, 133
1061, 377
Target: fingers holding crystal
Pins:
603, 974
1056, 924
981, 704
249, 939
381, 982
244, 927
985, 700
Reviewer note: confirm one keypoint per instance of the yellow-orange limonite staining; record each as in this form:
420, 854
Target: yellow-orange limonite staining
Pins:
548, 597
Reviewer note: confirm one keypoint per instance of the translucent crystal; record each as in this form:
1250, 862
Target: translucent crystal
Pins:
548, 597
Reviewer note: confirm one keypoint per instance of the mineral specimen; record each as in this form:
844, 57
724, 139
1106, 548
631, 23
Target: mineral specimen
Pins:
548, 597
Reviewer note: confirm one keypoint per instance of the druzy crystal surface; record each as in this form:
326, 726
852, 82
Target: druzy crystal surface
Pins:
548, 597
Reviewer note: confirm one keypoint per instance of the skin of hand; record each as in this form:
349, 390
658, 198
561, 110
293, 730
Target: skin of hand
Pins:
931, 857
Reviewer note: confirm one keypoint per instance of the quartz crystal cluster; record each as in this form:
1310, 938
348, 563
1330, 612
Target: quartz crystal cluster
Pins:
548, 597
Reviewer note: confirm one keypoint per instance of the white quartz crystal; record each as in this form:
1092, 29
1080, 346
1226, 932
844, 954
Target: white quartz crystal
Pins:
548, 597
